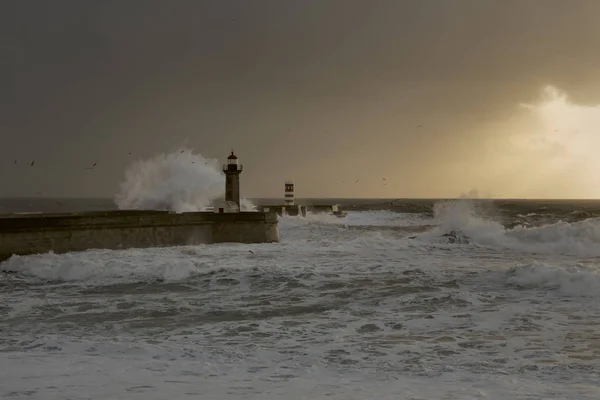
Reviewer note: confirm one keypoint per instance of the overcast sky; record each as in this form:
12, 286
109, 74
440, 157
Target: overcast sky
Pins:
318, 91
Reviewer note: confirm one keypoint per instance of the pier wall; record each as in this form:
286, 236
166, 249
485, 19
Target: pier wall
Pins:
281, 210
322, 208
24, 234
295, 210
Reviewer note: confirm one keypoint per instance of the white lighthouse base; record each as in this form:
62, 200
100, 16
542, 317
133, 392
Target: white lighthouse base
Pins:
225, 207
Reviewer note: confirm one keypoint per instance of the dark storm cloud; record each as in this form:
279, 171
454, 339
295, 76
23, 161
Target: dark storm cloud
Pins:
328, 89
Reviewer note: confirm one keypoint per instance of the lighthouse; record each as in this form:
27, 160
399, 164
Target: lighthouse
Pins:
232, 172
289, 193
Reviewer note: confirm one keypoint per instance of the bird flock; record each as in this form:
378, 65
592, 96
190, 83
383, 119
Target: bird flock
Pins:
93, 166
31, 164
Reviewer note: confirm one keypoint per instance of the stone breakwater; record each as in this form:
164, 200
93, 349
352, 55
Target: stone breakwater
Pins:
23, 234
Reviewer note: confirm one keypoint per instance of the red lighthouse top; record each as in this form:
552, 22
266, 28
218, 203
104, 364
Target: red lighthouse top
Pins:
232, 156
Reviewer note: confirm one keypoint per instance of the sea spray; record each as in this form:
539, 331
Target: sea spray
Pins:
247, 205
464, 216
180, 181
581, 238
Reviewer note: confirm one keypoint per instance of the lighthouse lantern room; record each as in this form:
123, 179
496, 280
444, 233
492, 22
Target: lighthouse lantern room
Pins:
232, 172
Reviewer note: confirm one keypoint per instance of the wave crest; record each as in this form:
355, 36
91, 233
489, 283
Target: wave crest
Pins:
107, 266
575, 280
461, 216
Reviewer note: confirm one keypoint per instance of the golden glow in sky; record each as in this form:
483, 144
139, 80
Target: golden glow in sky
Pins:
552, 151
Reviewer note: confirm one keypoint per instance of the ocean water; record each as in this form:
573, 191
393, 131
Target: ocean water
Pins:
399, 300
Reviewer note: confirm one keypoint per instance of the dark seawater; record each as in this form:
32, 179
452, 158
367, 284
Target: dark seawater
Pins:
508, 212
402, 299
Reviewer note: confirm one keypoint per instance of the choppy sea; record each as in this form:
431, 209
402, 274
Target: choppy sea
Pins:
402, 299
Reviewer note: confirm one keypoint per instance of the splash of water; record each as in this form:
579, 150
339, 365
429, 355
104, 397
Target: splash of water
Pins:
463, 216
180, 181
247, 205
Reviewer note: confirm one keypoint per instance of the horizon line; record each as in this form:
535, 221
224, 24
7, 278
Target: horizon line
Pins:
339, 198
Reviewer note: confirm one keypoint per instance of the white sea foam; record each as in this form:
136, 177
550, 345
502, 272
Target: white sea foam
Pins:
340, 309
106, 266
371, 219
578, 238
178, 371
572, 280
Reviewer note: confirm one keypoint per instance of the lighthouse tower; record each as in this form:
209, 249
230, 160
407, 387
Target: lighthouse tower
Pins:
289, 193
232, 172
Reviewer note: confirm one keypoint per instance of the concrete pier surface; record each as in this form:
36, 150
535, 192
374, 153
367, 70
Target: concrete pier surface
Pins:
281, 210
301, 210
23, 234
326, 208
291, 208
